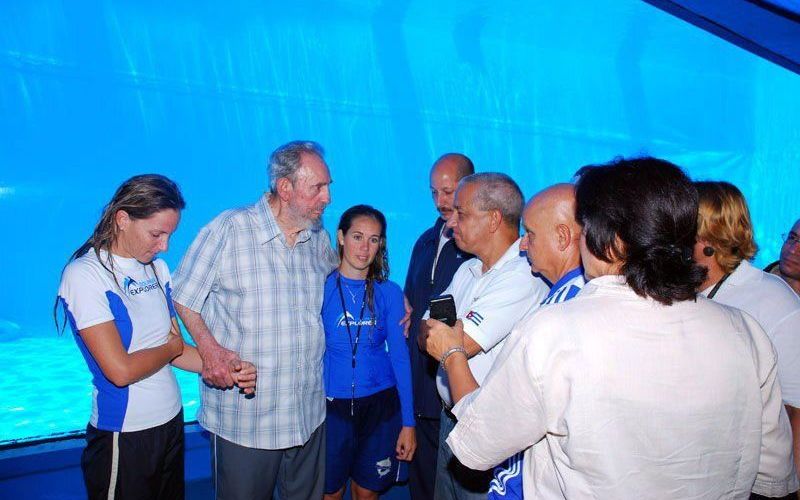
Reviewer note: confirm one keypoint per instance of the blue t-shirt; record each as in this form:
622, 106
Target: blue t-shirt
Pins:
376, 367
507, 482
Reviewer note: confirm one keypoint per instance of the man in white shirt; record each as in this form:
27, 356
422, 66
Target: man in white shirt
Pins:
551, 241
492, 293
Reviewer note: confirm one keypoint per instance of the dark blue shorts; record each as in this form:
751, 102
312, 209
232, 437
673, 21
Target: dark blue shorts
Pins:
362, 446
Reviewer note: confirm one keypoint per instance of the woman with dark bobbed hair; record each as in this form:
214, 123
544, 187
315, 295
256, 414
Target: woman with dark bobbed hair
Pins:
116, 296
725, 246
641, 389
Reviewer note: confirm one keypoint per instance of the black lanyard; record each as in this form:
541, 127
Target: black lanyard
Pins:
717, 286
353, 345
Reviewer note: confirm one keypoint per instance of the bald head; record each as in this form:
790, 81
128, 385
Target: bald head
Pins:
556, 205
445, 174
551, 232
455, 164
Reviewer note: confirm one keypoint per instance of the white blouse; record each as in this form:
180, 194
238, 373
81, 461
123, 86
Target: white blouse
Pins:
635, 399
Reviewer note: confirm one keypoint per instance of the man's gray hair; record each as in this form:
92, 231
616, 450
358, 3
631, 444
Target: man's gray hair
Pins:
496, 191
285, 161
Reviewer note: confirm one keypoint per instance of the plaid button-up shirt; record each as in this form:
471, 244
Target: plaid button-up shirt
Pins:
261, 299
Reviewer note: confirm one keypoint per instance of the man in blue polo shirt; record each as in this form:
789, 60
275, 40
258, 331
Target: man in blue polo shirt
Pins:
552, 243
434, 260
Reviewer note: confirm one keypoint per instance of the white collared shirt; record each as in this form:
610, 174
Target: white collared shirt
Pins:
489, 304
776, 307
635, 399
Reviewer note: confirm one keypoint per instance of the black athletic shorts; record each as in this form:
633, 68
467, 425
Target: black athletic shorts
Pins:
135, 465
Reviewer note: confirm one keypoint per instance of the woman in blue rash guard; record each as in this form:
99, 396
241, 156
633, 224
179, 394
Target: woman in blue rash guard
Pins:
116, 296
370, 419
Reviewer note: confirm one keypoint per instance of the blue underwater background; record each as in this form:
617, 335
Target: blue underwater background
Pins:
94, 92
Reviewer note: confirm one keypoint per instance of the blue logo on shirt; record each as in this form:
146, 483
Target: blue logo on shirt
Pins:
133, 287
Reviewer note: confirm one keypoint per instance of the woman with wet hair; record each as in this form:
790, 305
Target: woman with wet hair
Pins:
370, 415
116, 296
725, 246
641, 389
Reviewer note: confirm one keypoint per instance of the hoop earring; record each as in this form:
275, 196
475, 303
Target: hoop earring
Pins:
708, 251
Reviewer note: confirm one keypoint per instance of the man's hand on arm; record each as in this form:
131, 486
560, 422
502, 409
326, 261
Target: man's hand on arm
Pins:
217, 361
406, 320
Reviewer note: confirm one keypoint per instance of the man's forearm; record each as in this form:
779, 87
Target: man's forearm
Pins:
472, 347
217, 361
459, 377
197, 328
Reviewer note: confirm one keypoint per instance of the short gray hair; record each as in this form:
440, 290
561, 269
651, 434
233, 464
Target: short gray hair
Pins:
496, 191
285, 161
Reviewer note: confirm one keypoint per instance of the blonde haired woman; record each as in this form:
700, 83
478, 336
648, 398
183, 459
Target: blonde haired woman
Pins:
725, 246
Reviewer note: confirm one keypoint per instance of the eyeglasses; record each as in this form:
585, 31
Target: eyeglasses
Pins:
791, 238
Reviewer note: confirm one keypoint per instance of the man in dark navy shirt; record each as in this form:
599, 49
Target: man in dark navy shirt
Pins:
434, 261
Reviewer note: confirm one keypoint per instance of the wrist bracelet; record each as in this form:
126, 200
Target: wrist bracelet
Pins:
449, 352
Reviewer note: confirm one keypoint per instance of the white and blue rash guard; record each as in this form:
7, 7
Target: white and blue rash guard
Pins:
140, 305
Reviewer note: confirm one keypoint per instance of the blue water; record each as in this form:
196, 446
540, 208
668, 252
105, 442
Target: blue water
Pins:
94, 92
49, 390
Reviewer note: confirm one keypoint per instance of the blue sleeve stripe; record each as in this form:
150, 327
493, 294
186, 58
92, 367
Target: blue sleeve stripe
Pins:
573, 291
112, 401
170, 304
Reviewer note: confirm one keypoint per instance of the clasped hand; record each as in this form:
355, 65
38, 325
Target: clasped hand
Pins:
223, 369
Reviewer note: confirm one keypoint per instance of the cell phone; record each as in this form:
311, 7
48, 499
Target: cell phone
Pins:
444, 309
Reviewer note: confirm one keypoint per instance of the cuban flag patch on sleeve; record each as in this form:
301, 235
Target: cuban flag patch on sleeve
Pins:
475, 317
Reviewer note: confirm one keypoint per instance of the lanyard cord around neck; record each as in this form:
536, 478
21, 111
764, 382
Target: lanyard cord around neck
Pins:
353, 345
717, 286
